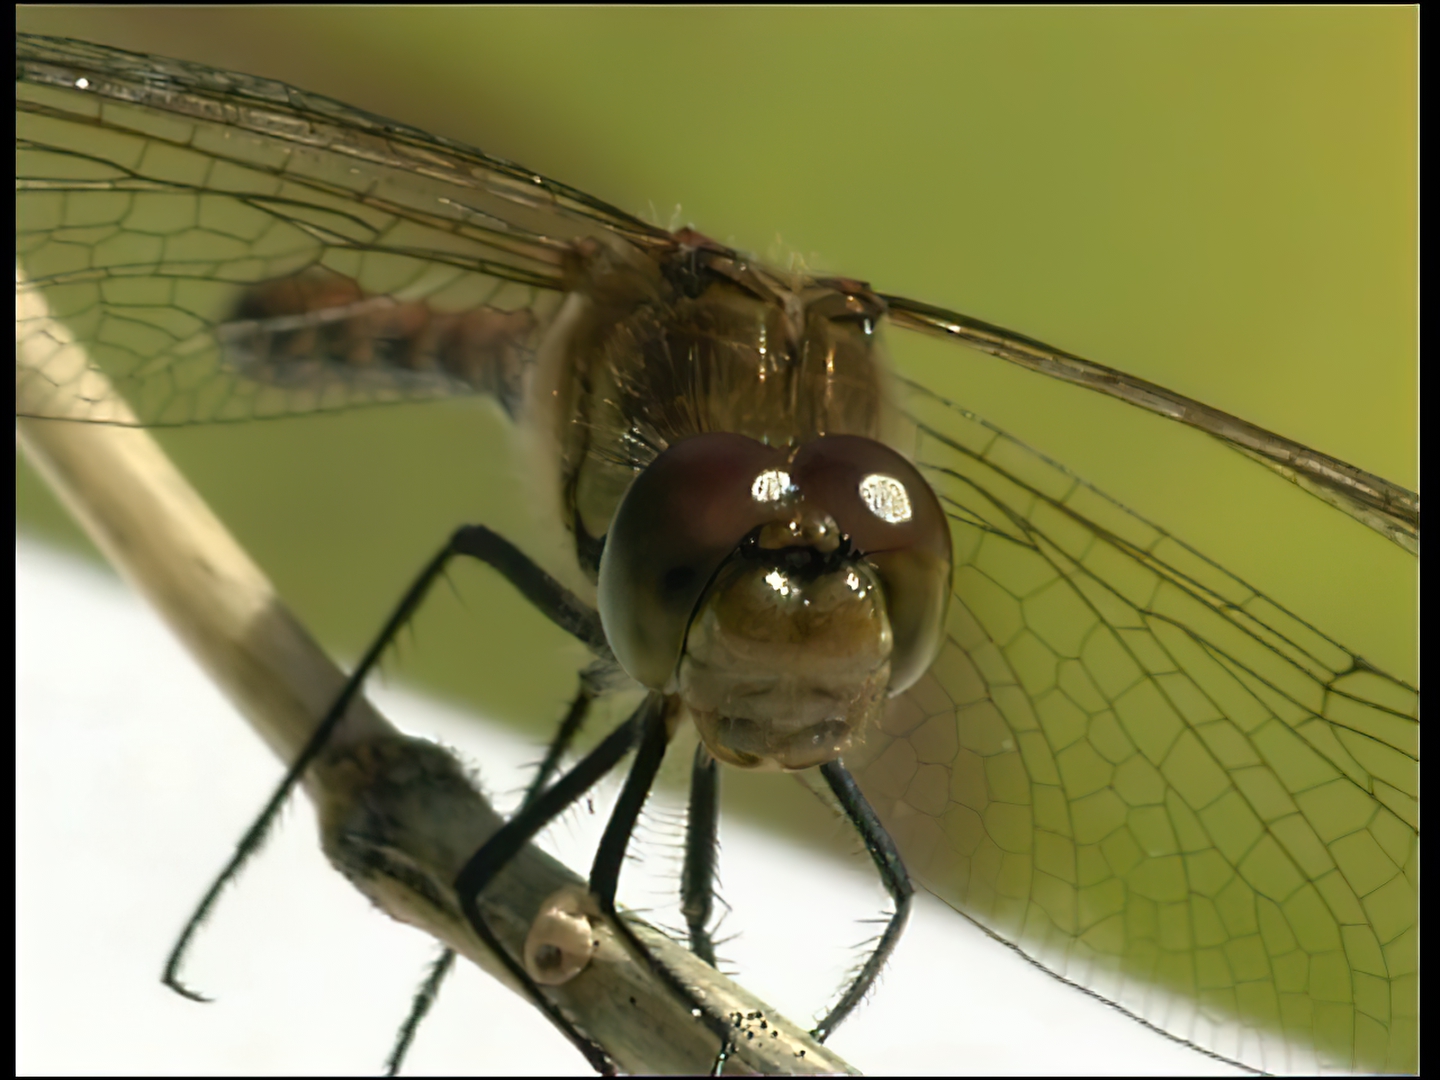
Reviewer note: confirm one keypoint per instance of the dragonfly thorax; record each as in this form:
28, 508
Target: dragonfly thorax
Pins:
655, 347
715, 426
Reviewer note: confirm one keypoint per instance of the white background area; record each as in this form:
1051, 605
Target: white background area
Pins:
134, 778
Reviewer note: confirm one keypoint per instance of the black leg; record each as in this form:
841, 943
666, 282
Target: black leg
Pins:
515, 833
419, 1008
605, 872
429, 989
476, 541
697, 876
892, 875
569, 728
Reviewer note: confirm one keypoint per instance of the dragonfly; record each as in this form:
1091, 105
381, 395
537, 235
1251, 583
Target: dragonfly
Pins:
1069, 817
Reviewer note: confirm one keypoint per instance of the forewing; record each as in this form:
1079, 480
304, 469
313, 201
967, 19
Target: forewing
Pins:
1389, 509
1150, 778
225, 247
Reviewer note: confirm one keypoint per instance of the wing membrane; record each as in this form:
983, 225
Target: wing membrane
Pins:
154, 196
158, 203
1152, 779
1389, 509
1137, 769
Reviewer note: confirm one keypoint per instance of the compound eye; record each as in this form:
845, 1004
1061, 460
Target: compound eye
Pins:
892, 518
679, 521
878, 498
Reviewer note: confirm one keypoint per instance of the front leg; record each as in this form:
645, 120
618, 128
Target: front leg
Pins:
697, 876
892, 874
610, 856
475, 541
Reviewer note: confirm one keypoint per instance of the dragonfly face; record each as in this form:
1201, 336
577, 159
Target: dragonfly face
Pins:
1009, 566
805, 588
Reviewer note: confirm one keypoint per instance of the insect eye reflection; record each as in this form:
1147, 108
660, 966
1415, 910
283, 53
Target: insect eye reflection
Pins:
1091, 669
886, 498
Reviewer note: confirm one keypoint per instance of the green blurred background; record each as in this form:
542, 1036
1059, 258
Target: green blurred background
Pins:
1222, 201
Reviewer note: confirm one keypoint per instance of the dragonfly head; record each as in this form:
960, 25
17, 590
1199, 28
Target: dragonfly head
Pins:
782, 593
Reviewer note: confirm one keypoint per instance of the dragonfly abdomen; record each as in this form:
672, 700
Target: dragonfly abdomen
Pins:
319, 329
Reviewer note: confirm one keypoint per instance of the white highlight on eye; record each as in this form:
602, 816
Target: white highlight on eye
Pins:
771, 486
886, 498
779, 582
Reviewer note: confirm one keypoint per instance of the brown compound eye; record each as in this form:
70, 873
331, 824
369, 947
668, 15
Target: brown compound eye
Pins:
694, 504
892, 517
681, 519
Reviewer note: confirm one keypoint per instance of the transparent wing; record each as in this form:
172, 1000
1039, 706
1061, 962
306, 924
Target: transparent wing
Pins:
1144, 774
1150, 778
226, 247
1389, 509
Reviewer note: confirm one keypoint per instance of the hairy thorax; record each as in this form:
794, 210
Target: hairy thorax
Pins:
647, 352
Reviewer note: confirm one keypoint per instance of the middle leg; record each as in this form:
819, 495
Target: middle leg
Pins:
510, 838
697, 877
429, 989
